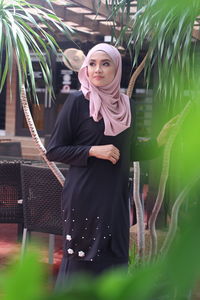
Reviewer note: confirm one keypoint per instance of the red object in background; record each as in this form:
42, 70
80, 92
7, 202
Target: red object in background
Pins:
9, 247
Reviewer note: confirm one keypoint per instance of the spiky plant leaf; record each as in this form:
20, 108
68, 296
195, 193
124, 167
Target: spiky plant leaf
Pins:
22, 33
164, 29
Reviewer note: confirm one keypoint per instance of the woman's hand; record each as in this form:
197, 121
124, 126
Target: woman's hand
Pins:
166, 131
107, 152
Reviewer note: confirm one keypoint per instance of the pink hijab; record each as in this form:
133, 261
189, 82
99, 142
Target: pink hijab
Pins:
107, 102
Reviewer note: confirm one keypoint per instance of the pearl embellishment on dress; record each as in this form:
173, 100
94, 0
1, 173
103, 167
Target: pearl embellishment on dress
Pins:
70, 251
81, 253
68, 237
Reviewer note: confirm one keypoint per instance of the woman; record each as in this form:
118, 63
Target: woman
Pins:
94, 134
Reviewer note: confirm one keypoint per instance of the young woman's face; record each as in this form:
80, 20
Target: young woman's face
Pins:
101, 69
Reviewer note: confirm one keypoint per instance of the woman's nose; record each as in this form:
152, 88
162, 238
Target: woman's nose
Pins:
98, 68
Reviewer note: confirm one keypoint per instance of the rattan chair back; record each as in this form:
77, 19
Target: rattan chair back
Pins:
11, 210
41, 200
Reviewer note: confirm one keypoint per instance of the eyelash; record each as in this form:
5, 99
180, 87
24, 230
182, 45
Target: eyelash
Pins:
104, 64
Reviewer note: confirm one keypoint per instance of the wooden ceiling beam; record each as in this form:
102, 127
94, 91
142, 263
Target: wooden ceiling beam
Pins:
82, 19
93, 6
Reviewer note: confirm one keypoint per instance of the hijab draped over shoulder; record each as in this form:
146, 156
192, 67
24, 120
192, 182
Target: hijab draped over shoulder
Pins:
107, 101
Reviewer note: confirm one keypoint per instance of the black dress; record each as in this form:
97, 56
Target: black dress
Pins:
95, 197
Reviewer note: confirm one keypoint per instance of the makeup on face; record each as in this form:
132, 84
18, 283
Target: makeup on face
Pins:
101, 69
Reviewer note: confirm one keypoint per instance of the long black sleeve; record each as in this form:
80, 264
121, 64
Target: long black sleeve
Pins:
62, 147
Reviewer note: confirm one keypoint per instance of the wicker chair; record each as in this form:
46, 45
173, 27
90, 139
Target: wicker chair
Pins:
41, 203
11, 210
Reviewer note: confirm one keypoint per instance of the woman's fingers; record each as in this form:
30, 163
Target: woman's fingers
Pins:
114, 154
113, 161
107, 152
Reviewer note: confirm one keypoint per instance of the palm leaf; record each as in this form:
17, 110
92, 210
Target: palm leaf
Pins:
21, 34
166, 26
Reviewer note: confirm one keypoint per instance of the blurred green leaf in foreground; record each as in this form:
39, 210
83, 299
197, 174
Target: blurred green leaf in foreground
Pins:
170, 277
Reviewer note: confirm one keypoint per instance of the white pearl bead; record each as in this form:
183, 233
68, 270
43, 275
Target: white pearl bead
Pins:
81, 253
70, 251
68, 237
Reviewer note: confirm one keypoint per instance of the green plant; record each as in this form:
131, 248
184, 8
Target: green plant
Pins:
164, 29
173, 276
22, 33
24, 279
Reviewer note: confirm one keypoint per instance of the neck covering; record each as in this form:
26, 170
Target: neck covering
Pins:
107, 102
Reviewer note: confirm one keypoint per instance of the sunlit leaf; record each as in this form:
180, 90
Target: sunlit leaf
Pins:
23, 35
166, 27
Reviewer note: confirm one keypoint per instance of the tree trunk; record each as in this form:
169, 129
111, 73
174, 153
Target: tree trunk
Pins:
139, 211
163, 180
36, 137
136, 176
174, 217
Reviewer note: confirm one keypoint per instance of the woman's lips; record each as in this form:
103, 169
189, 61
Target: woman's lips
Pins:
98, 77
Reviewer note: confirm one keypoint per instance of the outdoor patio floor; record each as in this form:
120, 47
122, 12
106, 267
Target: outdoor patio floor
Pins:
10, 247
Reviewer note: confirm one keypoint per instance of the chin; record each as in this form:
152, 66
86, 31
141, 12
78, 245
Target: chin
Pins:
98, 84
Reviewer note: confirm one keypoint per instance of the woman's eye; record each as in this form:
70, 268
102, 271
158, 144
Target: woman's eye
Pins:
106, 64
91, 64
